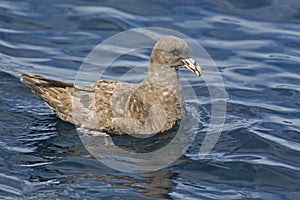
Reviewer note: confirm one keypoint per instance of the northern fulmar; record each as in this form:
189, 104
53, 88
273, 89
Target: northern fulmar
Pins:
149, 107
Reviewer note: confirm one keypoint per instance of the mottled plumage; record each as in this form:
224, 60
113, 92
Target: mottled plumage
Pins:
152, 106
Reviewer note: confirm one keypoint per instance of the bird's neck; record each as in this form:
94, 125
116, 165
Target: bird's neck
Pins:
164, 75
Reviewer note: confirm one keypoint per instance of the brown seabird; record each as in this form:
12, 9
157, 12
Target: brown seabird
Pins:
149, 107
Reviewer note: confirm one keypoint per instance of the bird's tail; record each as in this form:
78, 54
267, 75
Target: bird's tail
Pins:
57, 94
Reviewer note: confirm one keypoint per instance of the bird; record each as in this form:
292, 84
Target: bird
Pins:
152, 106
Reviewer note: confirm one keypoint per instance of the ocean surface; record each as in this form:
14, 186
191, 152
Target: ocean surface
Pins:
256, 48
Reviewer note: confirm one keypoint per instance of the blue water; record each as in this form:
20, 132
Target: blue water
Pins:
255, 45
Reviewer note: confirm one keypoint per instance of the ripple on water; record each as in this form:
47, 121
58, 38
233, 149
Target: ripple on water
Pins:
256, 47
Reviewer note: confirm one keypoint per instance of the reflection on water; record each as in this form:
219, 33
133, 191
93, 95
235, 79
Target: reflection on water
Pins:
254, 43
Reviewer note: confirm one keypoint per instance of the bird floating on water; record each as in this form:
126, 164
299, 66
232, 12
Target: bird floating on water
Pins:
149, 107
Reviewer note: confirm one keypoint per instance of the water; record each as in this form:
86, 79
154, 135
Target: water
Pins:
255, 45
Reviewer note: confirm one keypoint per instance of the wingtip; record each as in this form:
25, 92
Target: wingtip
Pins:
22, 73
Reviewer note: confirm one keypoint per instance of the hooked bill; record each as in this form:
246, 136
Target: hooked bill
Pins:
191, 65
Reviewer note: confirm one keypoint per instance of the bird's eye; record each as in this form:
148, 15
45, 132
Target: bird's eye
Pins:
175, 51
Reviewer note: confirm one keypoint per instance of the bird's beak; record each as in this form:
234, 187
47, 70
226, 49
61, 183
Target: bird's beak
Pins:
191, 65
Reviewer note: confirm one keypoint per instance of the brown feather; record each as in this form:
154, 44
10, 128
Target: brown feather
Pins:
152, 106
